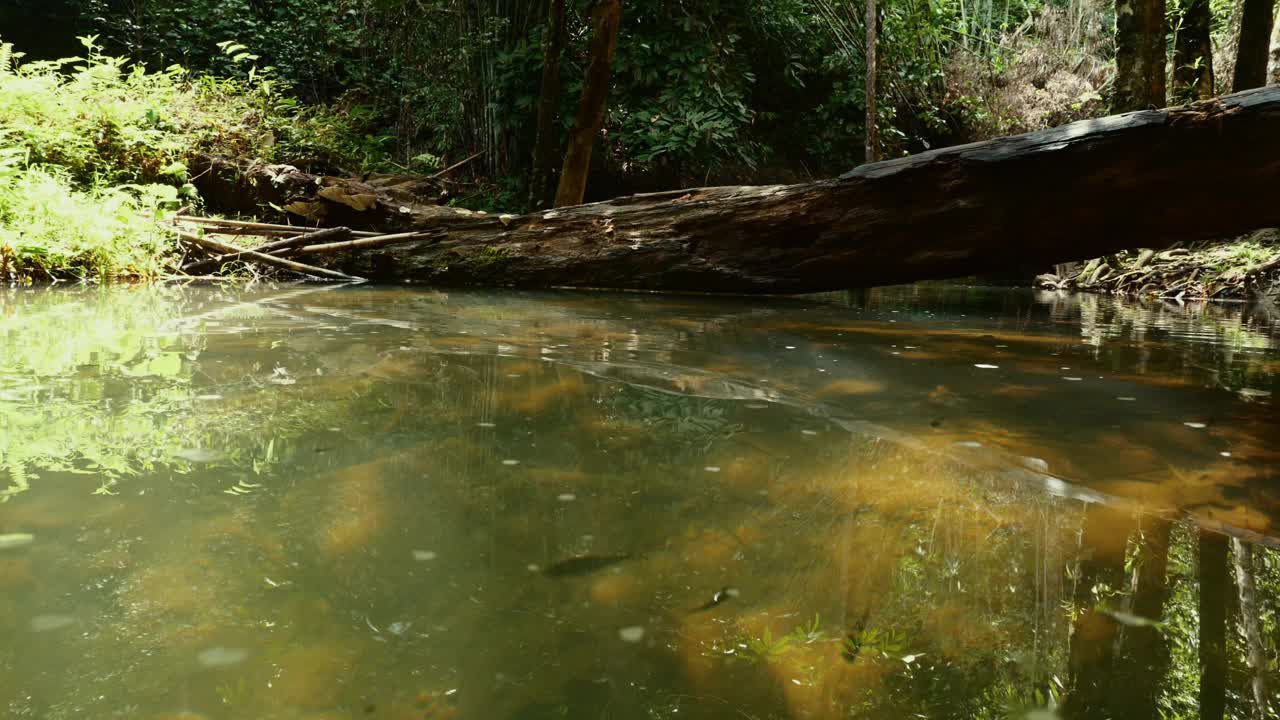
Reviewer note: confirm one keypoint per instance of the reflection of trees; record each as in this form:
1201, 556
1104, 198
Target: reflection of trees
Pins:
1213, 625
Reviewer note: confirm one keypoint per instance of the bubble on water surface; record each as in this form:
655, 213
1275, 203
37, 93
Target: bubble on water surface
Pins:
423, 555
45, 623
633, 634
221, 656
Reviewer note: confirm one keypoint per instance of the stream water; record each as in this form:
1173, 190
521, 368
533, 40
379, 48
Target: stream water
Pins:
310, 502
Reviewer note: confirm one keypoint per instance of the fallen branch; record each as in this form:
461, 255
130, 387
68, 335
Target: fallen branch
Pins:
247, 225
362, 244
455, 166
339, 233
221, 247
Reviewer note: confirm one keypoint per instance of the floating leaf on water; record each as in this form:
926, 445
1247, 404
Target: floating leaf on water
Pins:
45, 623
423, 555
1126, 398
221, 656
633, 634
1252, 393
712, 468
969, 444
1072, 379
566, 497
808, 432
486, 425
1195, 425
1225, 453
986, 366
510, 462
14, 540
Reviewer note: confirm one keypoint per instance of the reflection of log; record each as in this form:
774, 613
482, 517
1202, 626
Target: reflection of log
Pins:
1082, 190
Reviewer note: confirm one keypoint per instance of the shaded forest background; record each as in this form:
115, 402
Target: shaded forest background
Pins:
707, 92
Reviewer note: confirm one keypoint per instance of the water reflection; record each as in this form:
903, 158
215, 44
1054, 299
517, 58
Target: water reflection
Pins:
333, 503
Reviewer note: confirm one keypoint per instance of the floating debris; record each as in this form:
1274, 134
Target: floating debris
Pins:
1132, 620
1253, 393
199, 455
986, 366
791, 347
14, 540
969, 444
583, 565
1072, 379
423, 555
633, 634
45, 623
712, 468
566, 497
532, 567
209, 397
1225, 453
510, 462
486, 425
399, 628
756, 406
1195, 425
1036, 464
808, 432
1126, 398
221, 656
720, 596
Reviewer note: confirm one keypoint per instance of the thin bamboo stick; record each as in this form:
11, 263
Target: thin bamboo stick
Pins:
338, 233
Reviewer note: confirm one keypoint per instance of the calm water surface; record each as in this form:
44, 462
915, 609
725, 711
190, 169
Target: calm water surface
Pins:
937, 502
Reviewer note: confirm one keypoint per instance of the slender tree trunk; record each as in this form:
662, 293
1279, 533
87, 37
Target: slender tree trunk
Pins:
606, 16
1193, 54
1092, 653
544, 148
1255, 35
1145, 650
1213, 625
1140, 55
1252, 627
1273, 66
871, 81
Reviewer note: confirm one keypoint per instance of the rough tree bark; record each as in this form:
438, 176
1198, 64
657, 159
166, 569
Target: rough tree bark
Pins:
606, 16
1140, 55
870, 51
1273, 65
541, 190
1079, 191
1255, 36
1193, 54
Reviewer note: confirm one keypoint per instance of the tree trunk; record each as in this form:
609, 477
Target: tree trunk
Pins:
1213, 625
1091, 659
1251, 56
1273, 65
1140, 55
1144, 651
541, 190
1193, 54
1257, 657
870, 130
1080, 191
606, 16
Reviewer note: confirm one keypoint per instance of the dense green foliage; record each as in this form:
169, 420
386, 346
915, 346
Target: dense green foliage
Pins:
702, 92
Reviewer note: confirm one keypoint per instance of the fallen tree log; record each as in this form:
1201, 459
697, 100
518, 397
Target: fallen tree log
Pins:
1145, 179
